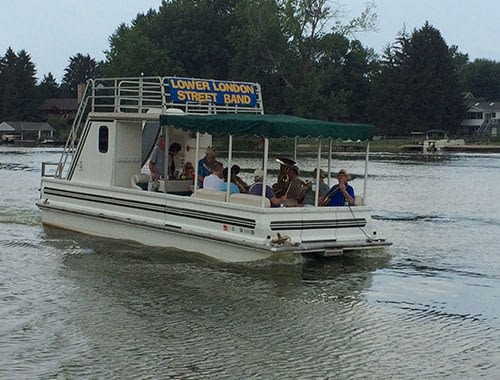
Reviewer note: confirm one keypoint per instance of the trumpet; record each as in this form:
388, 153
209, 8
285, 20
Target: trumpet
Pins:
242, 185
281, 187
334, 190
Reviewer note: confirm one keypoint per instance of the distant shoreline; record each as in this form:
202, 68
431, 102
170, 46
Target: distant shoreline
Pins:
389, 146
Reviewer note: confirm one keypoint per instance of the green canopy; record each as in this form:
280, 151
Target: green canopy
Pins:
271, 126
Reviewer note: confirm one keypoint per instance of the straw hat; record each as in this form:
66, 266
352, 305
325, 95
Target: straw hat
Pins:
322, 173
343, 171
211, 152
258, 174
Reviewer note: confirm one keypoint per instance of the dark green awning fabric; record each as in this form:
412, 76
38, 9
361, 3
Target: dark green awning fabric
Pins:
271, 126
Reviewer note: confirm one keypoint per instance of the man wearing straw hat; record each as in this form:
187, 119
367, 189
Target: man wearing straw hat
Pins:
341, 194
296, 189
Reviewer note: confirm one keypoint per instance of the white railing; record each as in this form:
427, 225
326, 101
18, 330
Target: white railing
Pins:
137, 95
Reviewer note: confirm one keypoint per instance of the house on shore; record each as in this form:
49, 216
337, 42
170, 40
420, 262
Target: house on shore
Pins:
25, 131
60, 108
482, 119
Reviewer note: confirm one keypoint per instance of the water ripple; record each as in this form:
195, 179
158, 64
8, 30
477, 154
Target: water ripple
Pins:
17, 167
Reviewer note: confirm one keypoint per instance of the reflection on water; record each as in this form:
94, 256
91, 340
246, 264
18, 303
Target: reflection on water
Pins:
76, 306
203, 318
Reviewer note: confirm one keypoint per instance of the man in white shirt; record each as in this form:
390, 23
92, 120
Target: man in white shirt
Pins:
214, 180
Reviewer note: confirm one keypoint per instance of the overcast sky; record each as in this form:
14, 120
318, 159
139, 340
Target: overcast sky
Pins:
52, 31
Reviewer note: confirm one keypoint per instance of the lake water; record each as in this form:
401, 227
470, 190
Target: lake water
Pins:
75, 306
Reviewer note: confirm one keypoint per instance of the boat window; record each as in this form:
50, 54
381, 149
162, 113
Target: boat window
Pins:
103, 139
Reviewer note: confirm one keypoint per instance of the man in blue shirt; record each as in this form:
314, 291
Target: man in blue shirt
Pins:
341, 194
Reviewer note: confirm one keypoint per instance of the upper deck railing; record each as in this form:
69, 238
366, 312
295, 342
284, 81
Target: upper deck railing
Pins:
143, 95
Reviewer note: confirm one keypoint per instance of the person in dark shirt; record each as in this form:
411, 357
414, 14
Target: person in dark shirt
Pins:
205, 165
256, 188
341, 194
173, 149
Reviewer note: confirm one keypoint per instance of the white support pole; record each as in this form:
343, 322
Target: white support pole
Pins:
318, 171
196, 159
167, 158
264, 168
366, 173
295, 140
330, 148
229, 162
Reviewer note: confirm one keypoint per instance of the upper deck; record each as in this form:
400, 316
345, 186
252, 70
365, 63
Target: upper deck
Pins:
145, 98
158, 94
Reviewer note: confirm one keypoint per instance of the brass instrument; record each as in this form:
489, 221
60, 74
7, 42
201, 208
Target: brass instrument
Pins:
334, 189
285, 185
329, 195
242, 185
280, 188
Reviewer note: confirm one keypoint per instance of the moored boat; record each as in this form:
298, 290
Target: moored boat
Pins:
96, 186
437, 140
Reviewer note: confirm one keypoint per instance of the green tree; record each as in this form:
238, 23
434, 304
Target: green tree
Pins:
138, 41
261, 51
18, 96
298, 50
196, 34
80, 69
48, 87
302, 53
184, 38
482, 79
417, 87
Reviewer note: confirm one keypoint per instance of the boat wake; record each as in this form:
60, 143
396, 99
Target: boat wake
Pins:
436, 218
409, 216
17, 167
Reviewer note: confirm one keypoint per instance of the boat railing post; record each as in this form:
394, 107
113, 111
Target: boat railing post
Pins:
196, 158
93, 94
330, 148
140, 94
295, 141
264, 168
164, 132
229, 160
318, 171
163, 96
116, 98
366, 172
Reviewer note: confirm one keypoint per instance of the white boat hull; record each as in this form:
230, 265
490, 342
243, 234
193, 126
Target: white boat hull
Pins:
208, 227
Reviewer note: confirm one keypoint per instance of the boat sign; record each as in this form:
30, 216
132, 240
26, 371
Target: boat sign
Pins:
185, 90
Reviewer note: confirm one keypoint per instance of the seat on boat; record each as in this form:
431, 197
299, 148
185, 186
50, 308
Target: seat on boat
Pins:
210, 195
249, 200
358, 200
140, 181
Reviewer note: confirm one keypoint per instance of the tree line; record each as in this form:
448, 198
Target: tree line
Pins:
307, 60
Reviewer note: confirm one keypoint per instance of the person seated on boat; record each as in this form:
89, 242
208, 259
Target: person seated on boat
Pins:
173, 149
235, 178
341, 194
296, 189
311, 191
281, 186
256, 188
157, 164
213, 181
204, 165
232, 186
188, 171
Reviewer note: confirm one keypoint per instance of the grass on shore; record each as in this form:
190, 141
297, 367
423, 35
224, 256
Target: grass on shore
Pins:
254, 144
